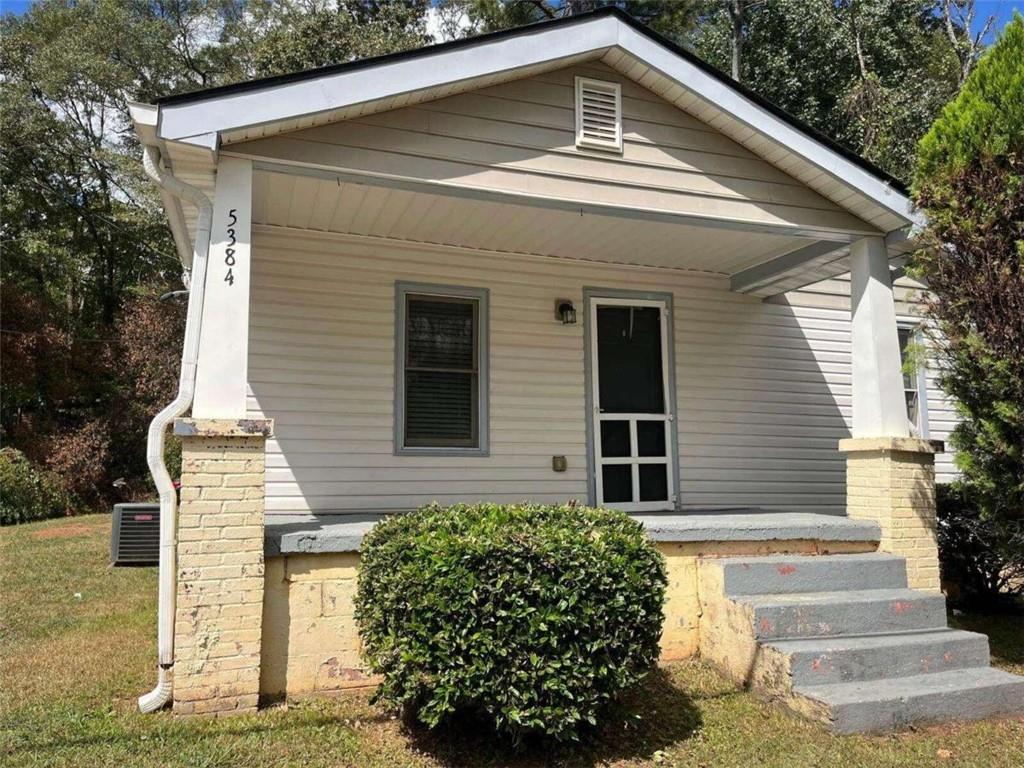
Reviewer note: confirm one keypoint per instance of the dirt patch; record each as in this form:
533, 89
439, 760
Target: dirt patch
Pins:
64, 531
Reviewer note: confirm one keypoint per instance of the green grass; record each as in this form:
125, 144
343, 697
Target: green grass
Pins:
77, 645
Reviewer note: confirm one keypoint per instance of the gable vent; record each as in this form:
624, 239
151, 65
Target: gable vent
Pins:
598, 114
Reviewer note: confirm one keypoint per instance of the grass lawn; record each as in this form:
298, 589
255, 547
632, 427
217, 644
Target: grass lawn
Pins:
77, 645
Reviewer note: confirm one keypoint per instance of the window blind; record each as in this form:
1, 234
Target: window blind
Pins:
441, 371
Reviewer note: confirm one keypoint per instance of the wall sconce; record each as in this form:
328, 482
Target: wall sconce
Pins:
565, 312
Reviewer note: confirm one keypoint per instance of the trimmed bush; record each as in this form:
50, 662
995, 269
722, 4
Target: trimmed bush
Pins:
532, 617
27, 493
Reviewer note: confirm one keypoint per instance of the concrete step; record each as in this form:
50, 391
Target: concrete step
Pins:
876, 657
882, 705
786, 574
854, 612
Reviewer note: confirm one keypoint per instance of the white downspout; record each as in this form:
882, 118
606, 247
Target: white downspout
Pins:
161, 695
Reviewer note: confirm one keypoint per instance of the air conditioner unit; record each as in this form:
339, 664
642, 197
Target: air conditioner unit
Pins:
135, 535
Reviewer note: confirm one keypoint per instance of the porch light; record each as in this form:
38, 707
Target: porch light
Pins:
565, 312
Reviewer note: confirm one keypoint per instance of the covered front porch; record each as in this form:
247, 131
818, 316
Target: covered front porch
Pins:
739, 398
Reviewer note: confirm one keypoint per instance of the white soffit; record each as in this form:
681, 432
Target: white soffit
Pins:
302, 203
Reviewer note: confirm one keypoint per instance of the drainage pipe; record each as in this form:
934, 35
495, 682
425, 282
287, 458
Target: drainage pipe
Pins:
161, 695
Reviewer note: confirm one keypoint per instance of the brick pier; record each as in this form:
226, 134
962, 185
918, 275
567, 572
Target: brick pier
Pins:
892, 482
218, 622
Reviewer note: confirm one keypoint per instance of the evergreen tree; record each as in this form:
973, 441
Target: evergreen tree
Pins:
970, 182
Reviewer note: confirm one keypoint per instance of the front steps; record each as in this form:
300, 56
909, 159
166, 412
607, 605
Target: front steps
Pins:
841, 639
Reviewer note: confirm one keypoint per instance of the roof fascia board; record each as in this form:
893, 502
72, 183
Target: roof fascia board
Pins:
518, 198
232, 111
762, 121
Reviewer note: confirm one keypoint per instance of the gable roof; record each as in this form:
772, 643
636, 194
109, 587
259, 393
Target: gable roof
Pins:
201, 122
527, 29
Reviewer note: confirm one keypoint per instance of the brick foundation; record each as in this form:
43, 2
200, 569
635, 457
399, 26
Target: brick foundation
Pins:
218, 622
892, 481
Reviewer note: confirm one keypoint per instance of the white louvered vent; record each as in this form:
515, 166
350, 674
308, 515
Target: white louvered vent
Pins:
598, 114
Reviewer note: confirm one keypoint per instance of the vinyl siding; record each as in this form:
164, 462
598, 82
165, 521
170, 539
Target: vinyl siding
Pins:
835, 294
763, 389
518, 137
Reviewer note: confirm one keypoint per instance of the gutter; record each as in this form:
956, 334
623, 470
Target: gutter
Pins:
146, 118
161, 694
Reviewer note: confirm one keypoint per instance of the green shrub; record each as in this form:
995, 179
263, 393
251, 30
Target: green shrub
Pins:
532, 617
982, 571
970, 184
27, 493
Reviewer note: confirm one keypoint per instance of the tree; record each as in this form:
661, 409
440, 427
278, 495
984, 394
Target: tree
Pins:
970, 182
872, 75
672, 18
86, 249
958, 16
80, 226
282, 37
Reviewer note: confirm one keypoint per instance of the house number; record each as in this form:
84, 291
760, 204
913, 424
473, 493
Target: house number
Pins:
229, 252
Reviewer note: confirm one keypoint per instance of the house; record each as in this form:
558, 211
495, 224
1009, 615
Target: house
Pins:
566, 261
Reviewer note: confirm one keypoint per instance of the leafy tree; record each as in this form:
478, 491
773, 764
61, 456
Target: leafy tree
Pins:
672, 18
872, 75
292, 36
970, 182
85, 247
80, 227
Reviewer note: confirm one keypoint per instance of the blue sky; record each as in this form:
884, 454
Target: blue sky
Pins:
1003, 10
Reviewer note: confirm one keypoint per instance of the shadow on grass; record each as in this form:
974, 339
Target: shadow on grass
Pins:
1005, 633
652, 717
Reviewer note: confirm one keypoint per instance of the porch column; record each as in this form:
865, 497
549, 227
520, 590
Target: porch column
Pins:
222, 370
219, 615
879, 408
890, 477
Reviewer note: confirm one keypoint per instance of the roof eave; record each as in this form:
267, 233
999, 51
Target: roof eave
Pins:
201, 118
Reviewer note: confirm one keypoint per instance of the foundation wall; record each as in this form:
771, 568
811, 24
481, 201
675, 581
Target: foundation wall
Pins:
311, 643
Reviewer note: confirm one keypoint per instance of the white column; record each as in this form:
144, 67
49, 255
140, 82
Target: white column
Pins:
224, 341
879, 407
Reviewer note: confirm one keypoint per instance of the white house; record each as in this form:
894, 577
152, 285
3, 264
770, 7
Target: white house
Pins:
565, 261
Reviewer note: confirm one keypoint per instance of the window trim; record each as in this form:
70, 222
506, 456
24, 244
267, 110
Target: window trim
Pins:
482, 297
920, 377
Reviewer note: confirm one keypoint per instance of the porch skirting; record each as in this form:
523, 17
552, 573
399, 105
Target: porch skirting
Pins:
310, 642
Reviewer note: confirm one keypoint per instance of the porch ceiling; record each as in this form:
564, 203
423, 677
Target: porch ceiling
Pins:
333, 205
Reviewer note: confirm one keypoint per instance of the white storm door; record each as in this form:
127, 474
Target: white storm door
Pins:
632, 420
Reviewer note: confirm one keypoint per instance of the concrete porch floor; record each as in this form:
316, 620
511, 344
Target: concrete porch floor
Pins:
324, 533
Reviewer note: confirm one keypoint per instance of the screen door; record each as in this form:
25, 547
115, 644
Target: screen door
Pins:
632, 422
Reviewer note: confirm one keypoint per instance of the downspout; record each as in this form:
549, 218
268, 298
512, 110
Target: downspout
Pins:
161, 695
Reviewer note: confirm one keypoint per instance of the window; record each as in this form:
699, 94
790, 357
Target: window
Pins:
441, 369
598, 114
913, 382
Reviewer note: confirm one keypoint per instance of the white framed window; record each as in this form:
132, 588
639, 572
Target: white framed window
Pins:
598, 114
915, 383
440, 369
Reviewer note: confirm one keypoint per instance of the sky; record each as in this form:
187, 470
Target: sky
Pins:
1002, 9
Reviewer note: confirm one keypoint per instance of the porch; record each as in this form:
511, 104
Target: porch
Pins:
755, 394
801, 607
310, 642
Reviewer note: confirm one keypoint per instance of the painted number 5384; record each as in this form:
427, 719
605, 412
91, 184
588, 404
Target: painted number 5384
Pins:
229, 252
